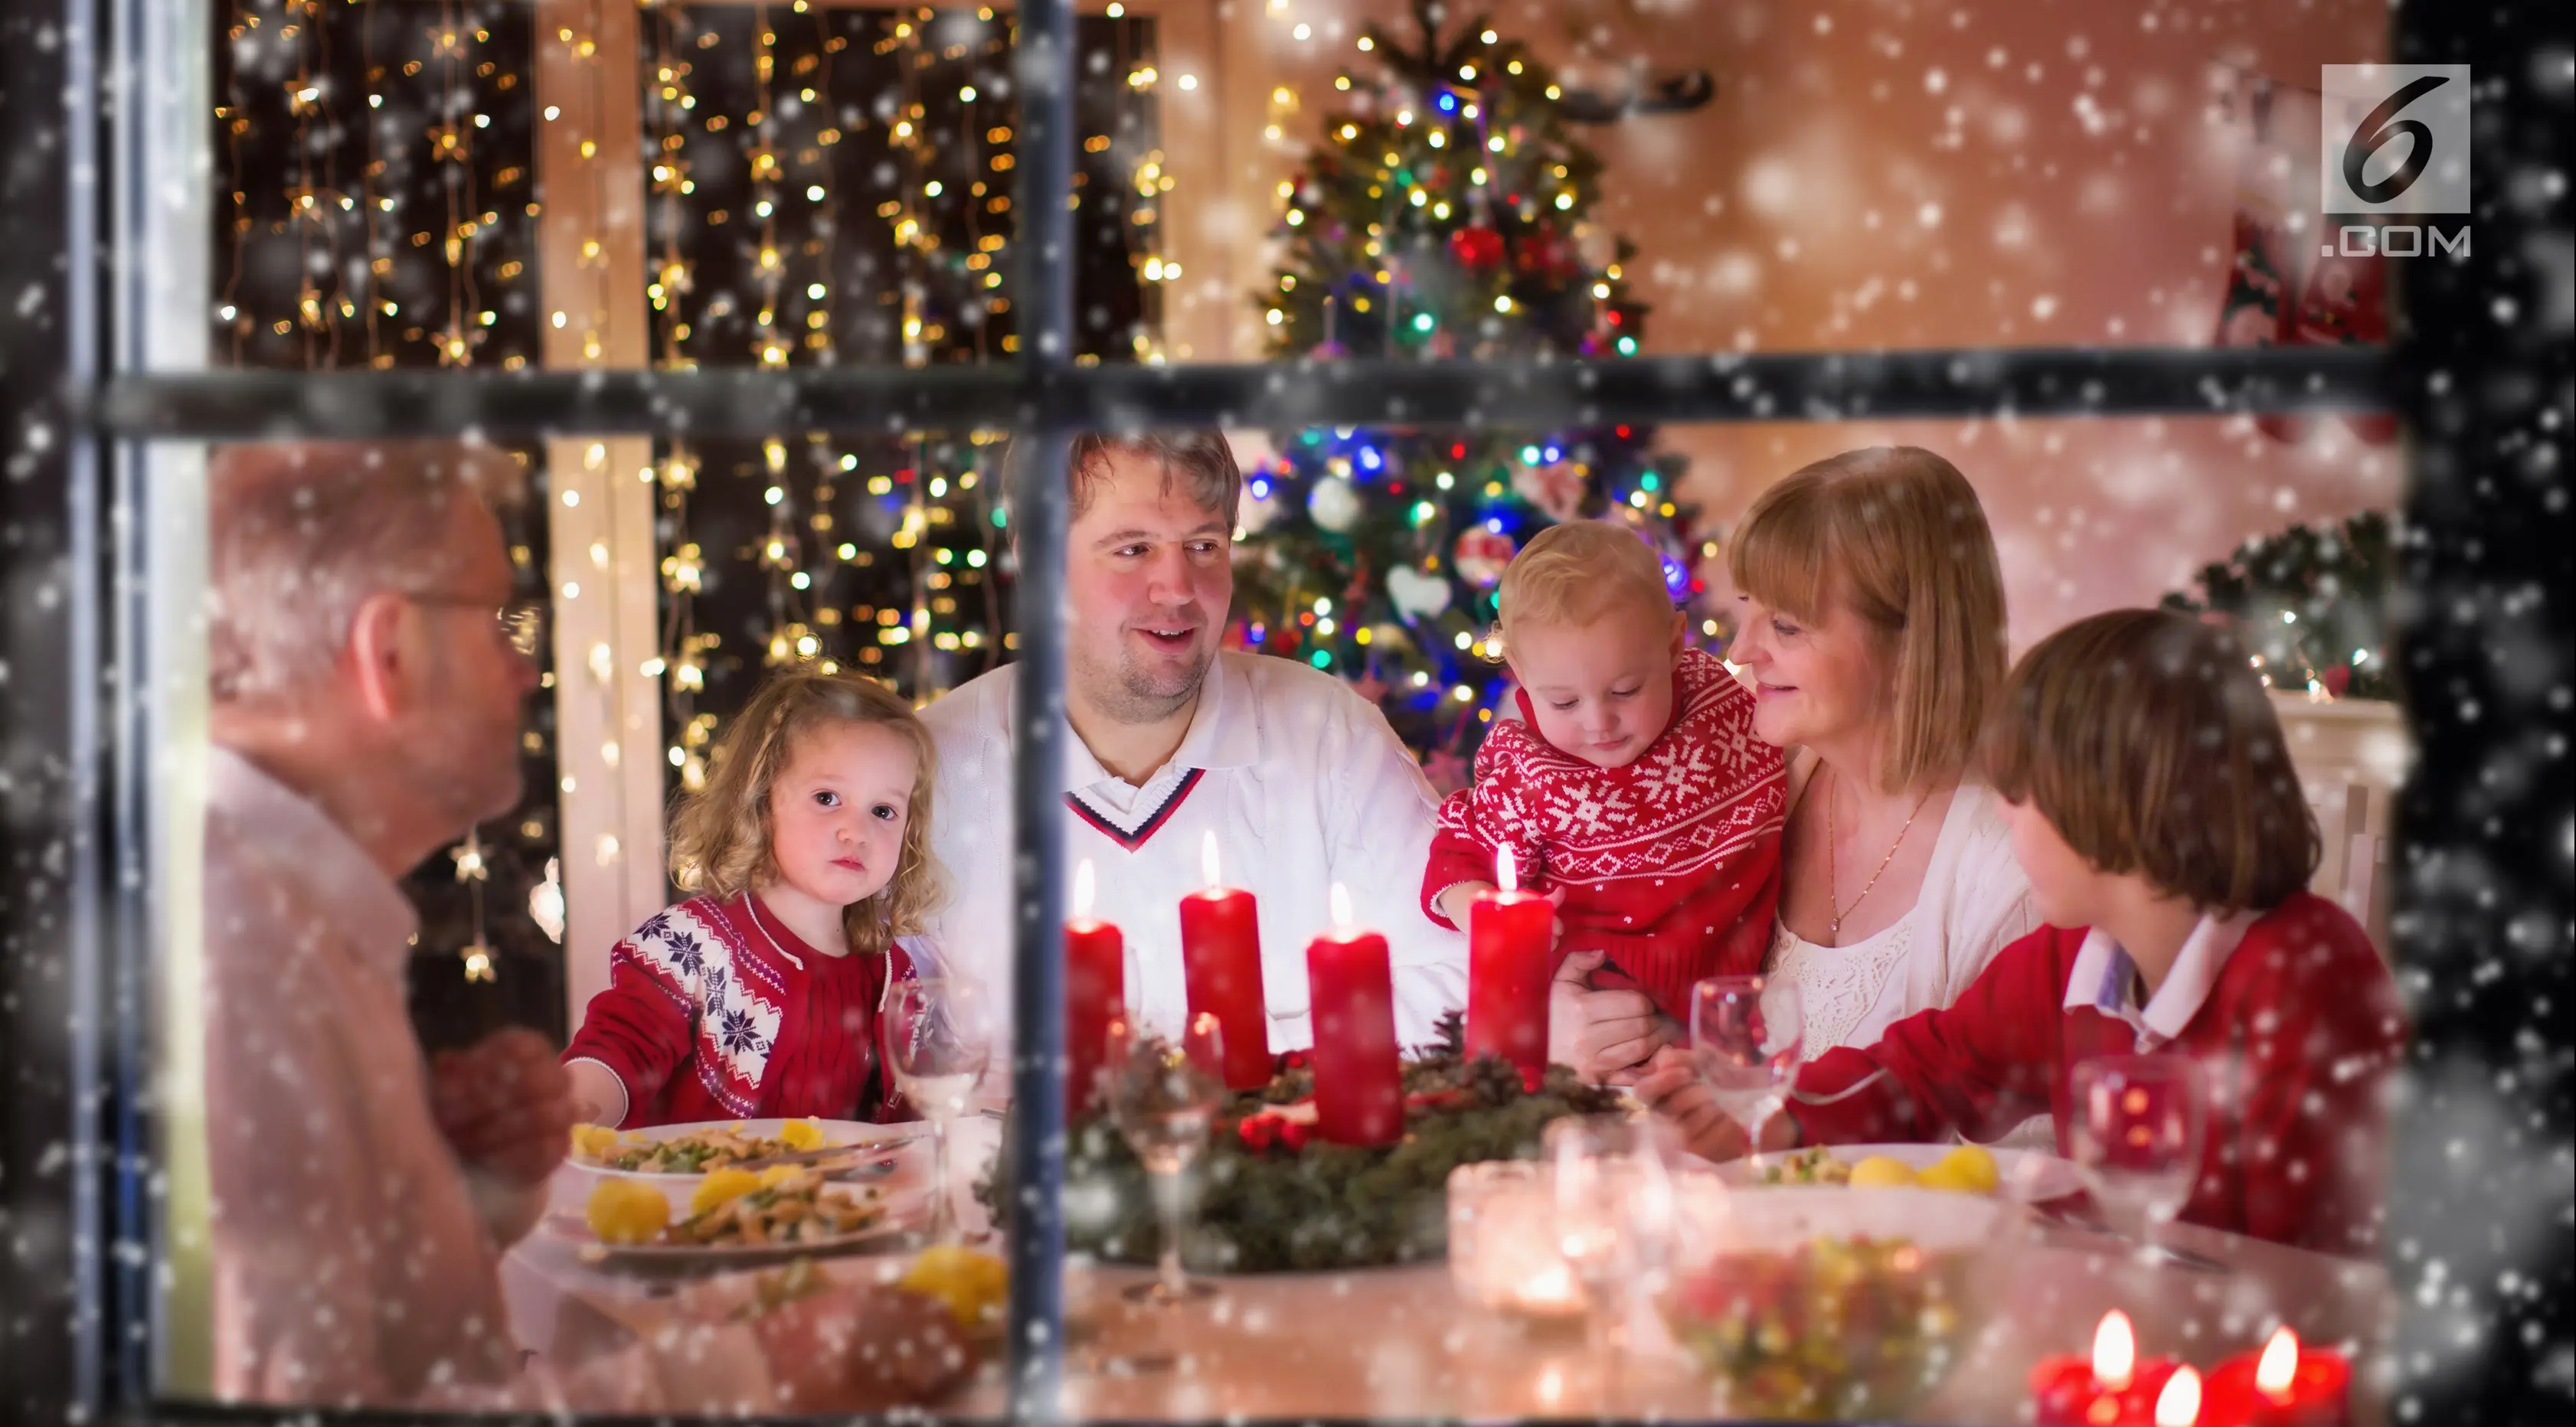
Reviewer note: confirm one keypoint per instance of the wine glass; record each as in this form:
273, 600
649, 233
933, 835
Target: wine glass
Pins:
1746, 1036
2135, 1134
1611, 1220
937, 1035
1164, 1098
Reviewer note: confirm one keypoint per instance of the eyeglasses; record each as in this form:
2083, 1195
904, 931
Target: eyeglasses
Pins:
522, 622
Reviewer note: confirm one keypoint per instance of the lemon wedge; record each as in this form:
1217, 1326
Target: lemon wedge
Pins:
801, 1135
1880, 1172
970, 1284
593, 1141
722, 1185
623, 1211
1969, 1167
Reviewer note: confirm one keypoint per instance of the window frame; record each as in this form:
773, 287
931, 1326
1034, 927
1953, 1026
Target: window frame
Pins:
127, 399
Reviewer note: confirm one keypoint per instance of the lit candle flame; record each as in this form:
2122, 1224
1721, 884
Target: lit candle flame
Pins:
1341, 905
1507, 869
2279, 1365
2115, 1351
2179, 1404
1082, 888
1207, 858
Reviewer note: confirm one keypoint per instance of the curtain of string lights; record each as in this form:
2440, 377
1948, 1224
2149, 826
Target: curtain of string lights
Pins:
378, 212
834, 186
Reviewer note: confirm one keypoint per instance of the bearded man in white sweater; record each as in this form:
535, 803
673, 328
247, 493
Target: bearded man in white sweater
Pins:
1299, 780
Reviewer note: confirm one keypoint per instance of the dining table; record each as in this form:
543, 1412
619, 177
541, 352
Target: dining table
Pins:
1405, 1342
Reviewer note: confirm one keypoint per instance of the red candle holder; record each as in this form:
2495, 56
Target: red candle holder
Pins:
2109, 1389
2288, 1384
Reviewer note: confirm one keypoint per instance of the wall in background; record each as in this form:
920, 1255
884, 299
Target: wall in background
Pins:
1880, 175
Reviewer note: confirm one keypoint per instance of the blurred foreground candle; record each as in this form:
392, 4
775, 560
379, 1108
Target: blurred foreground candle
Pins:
2179, 1404
1502, 1253
2110, 1389
1095, 992
1359, 1086
1221, 968
2286, 1385
1509, 932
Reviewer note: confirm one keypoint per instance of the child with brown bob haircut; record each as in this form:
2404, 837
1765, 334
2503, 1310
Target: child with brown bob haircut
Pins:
2156, 812
1631, 786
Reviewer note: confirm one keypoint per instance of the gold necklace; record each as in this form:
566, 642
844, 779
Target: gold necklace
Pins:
1833, 875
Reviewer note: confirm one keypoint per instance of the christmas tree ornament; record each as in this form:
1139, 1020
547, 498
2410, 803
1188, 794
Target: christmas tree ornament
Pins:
1481, 554
1556, 488
1255, 512
1334, 505
1416, 594
1477, 247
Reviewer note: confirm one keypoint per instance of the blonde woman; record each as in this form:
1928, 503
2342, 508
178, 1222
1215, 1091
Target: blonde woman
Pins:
809, 854
1872, 628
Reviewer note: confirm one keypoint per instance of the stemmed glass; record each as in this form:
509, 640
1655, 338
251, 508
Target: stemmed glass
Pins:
1164, 1099
1612, 1218
2136, 1135
1746, 1037
937, 1035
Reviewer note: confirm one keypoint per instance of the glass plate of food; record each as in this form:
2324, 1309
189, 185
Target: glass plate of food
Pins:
735, 1217
2022, 1176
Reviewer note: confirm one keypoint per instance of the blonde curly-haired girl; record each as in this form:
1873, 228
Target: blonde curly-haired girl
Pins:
807, 852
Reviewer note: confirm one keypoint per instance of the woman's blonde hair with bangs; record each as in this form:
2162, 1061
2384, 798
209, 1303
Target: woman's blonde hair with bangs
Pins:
720, 834
1895, 535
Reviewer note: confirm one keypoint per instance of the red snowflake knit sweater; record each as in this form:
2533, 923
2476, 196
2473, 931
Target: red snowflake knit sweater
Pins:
1671, 864
716, 1011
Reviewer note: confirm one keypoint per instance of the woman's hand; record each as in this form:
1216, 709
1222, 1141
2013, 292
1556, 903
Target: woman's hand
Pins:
1601, 1033
1671, 1088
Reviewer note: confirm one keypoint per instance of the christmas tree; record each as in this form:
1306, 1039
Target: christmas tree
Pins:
1445, 214
2311, 604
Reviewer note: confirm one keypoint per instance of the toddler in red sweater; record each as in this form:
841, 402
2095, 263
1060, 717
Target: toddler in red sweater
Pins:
808, 851
2154, 807
1631, 788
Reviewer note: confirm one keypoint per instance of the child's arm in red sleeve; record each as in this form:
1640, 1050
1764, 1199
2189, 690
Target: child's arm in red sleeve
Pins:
1456, 855
639, 1030
1981, 1065
2319, 1048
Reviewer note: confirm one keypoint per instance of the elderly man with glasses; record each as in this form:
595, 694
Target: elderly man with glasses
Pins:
367, 670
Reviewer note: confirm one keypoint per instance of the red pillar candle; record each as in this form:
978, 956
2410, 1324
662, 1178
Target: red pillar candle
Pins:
1095, 993
2286, 1385
1359, 1086
2109, 1389
1221, 969
1509, 932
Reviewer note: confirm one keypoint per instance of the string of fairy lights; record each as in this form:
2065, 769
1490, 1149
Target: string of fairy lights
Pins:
941, 541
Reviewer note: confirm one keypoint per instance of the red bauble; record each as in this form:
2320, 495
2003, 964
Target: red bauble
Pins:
1478, 247
1481, 554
